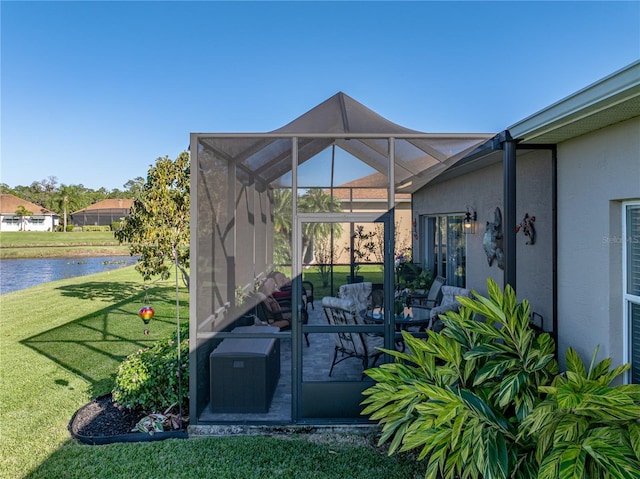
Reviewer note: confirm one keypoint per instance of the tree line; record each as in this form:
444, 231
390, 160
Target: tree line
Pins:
59, 198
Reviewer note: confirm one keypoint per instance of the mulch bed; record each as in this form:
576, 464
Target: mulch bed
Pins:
101, 422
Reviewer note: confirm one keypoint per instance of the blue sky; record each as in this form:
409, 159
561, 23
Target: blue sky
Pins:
93, 92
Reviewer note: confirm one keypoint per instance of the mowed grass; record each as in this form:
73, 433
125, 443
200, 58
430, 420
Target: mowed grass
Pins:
42, 244
9, 239
371, 272
227, 458
60, 345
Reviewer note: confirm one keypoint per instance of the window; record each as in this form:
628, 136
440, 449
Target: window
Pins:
445, 248
631, 294
37, 221
11, 220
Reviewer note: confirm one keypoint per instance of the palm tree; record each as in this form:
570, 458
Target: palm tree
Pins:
282, 215
317, 201
67, 197
22, 212
313, 201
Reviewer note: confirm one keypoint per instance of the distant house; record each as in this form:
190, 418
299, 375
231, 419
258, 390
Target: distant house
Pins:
33, 218
369, 194
102, 213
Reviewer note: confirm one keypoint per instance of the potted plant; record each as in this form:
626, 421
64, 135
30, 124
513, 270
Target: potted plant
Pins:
422, 280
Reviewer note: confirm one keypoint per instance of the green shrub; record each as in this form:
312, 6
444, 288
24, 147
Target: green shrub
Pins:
472, 399
584, 427
115, 226
69, 228
96, 228
148, 378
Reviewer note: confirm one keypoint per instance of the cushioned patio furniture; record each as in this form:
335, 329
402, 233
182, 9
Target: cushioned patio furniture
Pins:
358, 293
272, 313
448, 303
340, 311
269, 311
279, 286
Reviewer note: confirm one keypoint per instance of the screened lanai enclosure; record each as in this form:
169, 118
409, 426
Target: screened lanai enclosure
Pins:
283, 223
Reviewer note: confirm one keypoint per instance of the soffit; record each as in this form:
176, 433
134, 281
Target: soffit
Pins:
611, 100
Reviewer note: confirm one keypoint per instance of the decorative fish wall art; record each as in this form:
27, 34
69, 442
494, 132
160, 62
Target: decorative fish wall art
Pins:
492, 241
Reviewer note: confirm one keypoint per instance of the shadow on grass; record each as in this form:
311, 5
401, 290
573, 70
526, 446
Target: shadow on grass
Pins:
93, 346
116, 292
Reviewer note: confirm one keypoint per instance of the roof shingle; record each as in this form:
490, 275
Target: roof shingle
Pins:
10, 203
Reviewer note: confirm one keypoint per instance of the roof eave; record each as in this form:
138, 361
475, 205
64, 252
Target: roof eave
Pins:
614, 90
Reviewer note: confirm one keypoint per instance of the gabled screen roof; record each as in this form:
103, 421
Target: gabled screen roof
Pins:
340, 120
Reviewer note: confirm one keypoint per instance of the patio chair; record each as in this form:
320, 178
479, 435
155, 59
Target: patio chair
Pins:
359, 295
427, 301
448, 303
307, 287
377, 299
433, 296
280, 279
340, 311
279, 286
271, 312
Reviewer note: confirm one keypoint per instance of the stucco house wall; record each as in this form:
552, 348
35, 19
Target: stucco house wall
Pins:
596, 172
482, 192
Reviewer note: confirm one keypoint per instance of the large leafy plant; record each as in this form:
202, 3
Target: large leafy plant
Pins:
584, 427
462, 396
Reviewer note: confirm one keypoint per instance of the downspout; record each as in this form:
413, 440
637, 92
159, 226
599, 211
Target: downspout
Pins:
554, 245
509, 200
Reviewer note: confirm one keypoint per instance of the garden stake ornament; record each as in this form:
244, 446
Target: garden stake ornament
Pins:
146, 312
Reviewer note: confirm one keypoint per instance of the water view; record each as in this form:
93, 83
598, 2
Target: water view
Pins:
17, 274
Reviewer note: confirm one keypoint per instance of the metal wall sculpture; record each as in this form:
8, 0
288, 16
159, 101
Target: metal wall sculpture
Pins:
492, 241
526, 225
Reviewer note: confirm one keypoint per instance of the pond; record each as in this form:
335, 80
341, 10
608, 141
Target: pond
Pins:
17, 274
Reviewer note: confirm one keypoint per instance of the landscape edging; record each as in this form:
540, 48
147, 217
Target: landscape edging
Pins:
122, 438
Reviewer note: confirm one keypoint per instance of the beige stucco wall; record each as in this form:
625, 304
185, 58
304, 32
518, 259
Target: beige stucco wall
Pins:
403, 232
482, 190
596, 172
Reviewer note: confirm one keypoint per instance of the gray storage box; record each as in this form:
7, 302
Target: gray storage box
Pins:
244, 374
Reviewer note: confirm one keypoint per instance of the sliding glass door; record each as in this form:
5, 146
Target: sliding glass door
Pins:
445, 247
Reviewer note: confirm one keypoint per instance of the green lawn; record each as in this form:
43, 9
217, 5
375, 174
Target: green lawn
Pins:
60, 344
372, 273
46, 238
35, 244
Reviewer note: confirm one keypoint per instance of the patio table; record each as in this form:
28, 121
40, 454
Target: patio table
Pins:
413, 316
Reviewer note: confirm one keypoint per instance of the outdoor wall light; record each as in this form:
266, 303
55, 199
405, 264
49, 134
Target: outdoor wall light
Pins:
470, 222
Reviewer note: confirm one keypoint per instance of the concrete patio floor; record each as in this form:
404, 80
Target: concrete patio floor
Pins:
316, 361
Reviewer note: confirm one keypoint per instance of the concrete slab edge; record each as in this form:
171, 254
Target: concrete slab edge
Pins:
205, 430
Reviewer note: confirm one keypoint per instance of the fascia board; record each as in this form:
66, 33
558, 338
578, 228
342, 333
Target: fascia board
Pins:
617, 88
